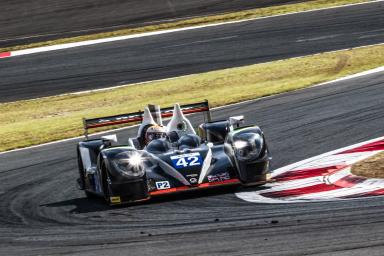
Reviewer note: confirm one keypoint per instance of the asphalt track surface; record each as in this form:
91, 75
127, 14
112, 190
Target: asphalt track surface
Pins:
24, 21
188, 52
42, 213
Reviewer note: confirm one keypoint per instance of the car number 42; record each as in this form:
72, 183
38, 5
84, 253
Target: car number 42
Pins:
186, 160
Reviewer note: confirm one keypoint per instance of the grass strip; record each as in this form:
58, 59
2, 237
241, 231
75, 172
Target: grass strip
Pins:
372, 167
233, 16
30, 122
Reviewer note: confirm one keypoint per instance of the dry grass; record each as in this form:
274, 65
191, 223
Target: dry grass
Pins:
372, 167
240, 15
30, 122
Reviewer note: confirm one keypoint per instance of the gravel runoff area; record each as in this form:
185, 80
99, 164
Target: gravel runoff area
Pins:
372, 167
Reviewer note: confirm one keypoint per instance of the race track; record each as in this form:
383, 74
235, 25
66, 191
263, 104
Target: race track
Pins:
42, 213
187, 52
26, 21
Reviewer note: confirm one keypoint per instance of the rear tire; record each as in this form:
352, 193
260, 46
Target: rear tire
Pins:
81, 171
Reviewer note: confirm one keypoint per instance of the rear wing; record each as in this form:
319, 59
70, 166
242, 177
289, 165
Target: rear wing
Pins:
138, 116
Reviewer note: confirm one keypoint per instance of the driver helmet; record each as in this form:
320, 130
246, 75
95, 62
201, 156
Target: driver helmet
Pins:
154, 132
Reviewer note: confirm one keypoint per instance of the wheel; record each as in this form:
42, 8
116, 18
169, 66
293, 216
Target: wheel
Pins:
81, 180
89, 194
104, 180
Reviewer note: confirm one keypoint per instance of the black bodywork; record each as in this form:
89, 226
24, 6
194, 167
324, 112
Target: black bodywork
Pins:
220, 155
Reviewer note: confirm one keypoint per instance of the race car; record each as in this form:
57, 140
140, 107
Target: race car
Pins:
170, 158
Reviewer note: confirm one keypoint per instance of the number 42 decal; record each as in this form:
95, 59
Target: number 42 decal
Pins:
186, 160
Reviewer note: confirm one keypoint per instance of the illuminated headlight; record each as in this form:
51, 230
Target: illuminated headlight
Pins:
129, 164
135, 160
248, 146
240, 144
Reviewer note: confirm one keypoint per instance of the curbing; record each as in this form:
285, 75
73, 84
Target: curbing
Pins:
321, 178
344, 178
315, 158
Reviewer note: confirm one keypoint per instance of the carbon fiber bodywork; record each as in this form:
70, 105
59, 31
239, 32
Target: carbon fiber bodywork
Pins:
221, 155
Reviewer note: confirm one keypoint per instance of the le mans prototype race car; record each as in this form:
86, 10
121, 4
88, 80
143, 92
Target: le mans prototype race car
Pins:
171, 158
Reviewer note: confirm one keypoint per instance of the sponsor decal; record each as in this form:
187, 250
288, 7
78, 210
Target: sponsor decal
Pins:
218, 177
162, 185
115, 200
193, 180
186, 160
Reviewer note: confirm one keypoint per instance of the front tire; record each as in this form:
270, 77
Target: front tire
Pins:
90, 194
104, 181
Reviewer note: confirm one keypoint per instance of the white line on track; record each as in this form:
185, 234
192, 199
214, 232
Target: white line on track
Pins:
121, 85
361, 74
317, 38
201, 41
254, 197
120, 38
294, 184
100, 29
365, 73
334, 194
370, 36
338, 160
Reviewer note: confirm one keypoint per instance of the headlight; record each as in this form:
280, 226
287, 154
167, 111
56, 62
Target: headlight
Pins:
240, 144
129, 164
248, 146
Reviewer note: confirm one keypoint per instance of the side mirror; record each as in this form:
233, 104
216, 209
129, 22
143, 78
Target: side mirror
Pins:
236, 120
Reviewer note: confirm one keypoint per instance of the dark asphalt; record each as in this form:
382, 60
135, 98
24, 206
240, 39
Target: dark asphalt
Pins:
187, 52
26, 21
42, 213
